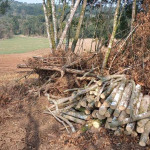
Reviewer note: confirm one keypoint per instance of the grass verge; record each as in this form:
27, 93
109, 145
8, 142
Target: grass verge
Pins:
20, 44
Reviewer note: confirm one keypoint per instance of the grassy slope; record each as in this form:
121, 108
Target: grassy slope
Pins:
22, 44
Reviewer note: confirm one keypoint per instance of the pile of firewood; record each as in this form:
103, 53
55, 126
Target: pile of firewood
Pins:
115, 100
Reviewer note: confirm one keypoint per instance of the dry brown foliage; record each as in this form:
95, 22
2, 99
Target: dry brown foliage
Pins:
136, 55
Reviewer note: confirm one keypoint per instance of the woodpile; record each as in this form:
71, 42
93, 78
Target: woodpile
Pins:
113, 99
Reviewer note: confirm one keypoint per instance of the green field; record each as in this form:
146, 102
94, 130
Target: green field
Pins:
20, 44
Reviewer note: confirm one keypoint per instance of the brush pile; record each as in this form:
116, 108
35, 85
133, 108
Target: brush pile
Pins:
89, 98
62, 70
135, 56
113, 99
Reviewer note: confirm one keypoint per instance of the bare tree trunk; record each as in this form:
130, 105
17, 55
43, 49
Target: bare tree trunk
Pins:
47, 25
79, 25
67, 40
72, 4
62, 18
68, 32
50, 21
133, 19
54, 20
68, 24
133, 14
112, 36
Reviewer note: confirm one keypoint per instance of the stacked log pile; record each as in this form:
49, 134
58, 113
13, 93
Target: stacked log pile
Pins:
113, 99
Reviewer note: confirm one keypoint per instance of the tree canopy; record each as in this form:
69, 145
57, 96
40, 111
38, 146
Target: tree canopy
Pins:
4, 4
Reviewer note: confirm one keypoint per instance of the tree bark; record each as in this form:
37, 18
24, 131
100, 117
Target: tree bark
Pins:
54, 20
68, 24
79, 25
108, 91
122, 116
50, 21
79, 115
118, 95
133, 14
130, 127
145, 136
112, 36
125, 97
110, 98
130, 120
102, 109
47, 26
109, 112
144, 107
62, 18
76, 120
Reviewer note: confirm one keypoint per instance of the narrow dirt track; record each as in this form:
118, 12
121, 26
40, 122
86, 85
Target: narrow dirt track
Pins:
8, 62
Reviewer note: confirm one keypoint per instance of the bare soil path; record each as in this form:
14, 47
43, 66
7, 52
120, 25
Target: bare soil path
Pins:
8, 64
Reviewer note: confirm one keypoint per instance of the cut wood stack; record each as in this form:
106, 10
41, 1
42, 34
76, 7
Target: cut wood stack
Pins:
113, 99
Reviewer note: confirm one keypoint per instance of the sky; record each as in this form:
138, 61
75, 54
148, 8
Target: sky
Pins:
30, 1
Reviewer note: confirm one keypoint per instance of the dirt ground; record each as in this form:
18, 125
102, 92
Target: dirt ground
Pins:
24, 126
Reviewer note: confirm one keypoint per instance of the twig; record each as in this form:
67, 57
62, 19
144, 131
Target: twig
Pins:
71, 98
56, 117
68, 122
25, 76
75, 89
51, 68
124, 70
87, 73
66, 108
73, 63
122, 46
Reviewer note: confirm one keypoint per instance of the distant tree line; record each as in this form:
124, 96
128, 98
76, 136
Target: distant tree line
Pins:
28, 19
3, 6
21, 18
